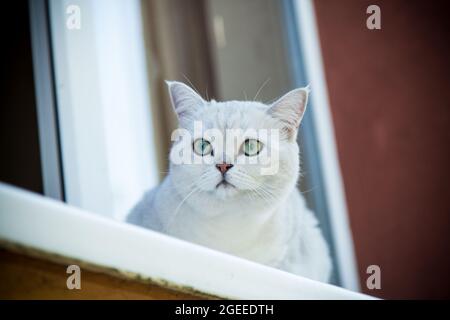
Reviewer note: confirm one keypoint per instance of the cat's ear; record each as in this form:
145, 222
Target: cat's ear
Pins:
289, 110
185, 101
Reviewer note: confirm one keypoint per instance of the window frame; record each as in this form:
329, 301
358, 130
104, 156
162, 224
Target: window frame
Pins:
107, 147
320, 143
47, 115
325, 174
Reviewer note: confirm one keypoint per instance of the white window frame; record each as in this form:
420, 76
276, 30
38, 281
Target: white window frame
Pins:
334, 191
107, 145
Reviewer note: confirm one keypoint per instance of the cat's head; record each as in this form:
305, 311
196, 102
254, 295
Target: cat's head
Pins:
259, 163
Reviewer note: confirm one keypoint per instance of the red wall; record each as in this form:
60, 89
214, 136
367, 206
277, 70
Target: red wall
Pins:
390, 100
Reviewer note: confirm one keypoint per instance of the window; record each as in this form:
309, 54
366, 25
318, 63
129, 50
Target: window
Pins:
103, 106
104, 113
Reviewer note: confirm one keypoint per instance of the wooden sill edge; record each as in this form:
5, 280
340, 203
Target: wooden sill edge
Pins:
174, 290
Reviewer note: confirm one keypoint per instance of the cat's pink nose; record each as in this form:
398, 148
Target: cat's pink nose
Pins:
223, 167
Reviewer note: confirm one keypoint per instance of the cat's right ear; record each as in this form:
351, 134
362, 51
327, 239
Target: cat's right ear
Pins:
289, 110
185, 101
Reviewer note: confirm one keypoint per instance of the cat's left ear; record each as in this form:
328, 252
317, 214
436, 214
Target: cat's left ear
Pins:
289, 110
185, 101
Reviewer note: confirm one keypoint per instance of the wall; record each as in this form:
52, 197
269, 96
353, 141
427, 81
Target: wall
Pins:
390, 104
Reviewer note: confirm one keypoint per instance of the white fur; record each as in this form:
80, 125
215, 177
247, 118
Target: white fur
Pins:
271, 225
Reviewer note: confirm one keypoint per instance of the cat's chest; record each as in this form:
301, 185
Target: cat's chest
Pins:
261, 238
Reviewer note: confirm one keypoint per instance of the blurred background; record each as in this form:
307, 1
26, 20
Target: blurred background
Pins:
86, 119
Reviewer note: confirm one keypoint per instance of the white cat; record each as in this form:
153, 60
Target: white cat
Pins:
229, 205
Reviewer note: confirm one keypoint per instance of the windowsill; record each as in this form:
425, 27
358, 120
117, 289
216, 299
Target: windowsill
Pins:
37, 222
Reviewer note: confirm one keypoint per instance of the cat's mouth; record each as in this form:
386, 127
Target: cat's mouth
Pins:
225, 184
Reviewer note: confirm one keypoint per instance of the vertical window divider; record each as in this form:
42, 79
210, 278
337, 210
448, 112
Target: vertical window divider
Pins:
47, 116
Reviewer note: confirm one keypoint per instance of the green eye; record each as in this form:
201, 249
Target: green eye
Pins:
202, 147
252, 147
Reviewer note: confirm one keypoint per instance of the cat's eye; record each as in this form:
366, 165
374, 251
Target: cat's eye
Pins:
251, 147
202, 147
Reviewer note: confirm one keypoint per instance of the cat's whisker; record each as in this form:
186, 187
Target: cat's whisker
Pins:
172, 218
196, 187
257, 188
263, 195
248, 178
308, 191
181, 181
260, 189
260, 88
268, 194
270, 190
253, 188
190, 82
